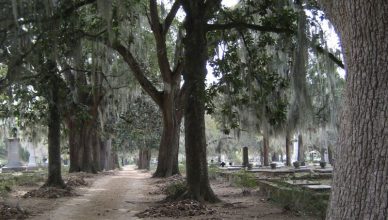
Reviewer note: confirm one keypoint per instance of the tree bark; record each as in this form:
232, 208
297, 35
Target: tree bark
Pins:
245, 157
330, 154
87, 163
96, 151
194, 75
103, 154
360, 180
169, 144
144, 158
74, 145
288, 149
54, 131
300, 148
169, 100
266, 150
84, 148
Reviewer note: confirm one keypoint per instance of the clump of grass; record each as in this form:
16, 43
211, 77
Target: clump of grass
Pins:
182, 168
10, 180
176, 189
213, 171
245, 179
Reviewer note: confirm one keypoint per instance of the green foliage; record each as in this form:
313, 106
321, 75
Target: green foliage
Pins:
182, 168
9, 180
176, 189
140, 126
297, 199
245, 179
213, 172
247, 83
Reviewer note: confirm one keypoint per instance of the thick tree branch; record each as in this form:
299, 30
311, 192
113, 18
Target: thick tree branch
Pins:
138, 72
60, 14
66, 12
178, 70
171, 15
331, 56
178, 54
181, 98
242, 25
160, 38
154, 17
211, 6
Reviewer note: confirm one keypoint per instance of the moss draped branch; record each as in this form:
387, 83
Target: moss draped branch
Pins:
138, 72
242, 25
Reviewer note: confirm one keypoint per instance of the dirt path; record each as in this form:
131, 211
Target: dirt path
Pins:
110, 197
130, 191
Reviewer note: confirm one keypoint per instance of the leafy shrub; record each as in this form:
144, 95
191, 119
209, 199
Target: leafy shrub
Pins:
176, 189
182, 168
245, 179
213, 172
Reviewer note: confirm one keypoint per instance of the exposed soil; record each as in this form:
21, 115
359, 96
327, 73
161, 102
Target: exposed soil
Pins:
131, 194
50, 193
9, 212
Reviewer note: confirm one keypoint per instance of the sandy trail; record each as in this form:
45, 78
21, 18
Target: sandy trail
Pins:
130, 191
110, 197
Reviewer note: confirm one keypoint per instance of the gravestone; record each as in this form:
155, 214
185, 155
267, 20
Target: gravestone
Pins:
14, 163
245, 157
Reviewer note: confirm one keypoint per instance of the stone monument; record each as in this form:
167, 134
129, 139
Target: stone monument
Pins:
14, 163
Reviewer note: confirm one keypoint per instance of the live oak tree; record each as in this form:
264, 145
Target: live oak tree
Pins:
198, 16
47, 37
170, 97
248, 87
40, 69
360, 180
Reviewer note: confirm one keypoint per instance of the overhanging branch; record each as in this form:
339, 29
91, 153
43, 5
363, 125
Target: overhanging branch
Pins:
242, 25
138, 72
331, 56
171, 15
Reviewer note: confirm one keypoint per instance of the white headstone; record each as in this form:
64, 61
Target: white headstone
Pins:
13, 147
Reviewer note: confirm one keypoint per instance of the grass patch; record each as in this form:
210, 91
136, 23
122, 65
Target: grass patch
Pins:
297, 199
244, 179
182, 168
10, 180
175, 190
213, 172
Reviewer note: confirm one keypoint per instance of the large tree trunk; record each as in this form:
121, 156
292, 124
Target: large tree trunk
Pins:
169, 144
194, 75
360, 180
87, 156
144, 158
96, 151
288, 149
330, 153
266, 150
103, 155
84, 146
74, 145
300, 148
54, 132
